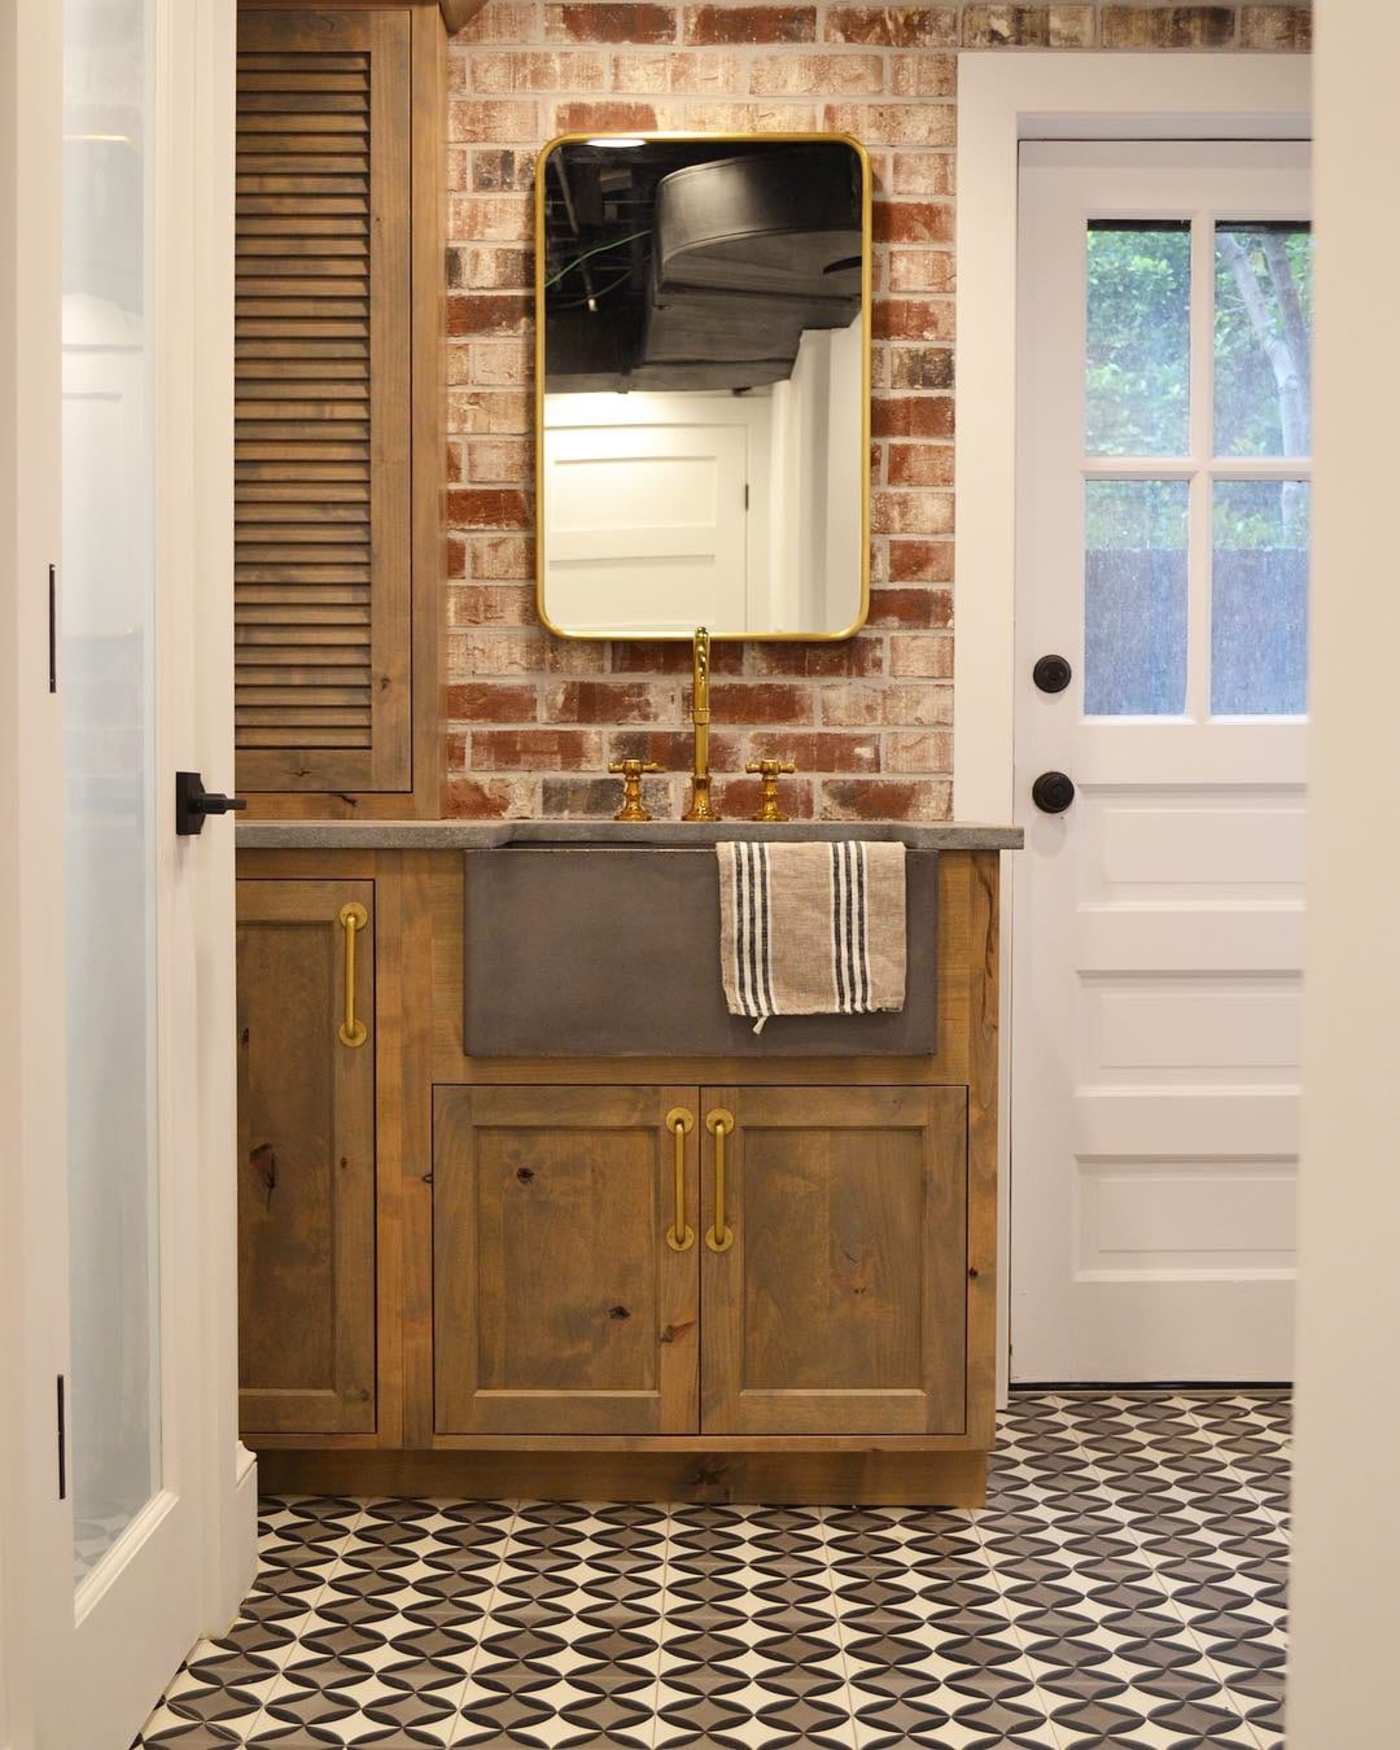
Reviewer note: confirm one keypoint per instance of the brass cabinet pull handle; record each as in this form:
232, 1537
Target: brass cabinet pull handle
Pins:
719, 1123
352, 919
679, 1236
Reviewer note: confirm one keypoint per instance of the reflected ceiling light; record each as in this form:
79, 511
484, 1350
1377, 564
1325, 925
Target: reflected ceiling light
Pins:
618, 140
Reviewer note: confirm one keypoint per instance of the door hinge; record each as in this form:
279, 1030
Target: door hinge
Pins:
62, 1439
53, 628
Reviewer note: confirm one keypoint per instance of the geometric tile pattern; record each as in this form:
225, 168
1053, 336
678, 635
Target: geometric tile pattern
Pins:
1124, 1586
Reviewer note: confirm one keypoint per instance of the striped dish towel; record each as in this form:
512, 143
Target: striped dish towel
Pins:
811, 929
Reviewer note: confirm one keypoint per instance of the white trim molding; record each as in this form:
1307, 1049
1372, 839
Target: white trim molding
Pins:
1002, 100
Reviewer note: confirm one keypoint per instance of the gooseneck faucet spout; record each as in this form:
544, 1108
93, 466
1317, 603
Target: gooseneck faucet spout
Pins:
700, 805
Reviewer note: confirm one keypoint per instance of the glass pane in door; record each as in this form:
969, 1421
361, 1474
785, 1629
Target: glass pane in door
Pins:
1135, 574
1137, 339
107, 669
1262, 346
1259, 598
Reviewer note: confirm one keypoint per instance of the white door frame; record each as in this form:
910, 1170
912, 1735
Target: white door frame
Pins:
1002, 100
194, 511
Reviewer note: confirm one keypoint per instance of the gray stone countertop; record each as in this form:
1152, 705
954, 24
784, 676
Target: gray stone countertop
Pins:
461, 835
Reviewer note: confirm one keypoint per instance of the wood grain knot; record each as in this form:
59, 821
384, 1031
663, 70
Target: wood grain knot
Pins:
618, 1312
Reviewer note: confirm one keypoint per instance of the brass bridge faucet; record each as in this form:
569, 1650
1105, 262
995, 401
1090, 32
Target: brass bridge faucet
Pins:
701, 807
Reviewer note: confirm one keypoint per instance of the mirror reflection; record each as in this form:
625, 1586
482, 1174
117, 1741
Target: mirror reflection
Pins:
703, 386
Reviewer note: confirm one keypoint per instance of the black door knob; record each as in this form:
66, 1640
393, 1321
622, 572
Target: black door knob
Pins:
193, 802
1052, 792
1052, 674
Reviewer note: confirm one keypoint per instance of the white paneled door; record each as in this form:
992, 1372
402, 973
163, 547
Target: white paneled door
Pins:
1161, 633
125, 1499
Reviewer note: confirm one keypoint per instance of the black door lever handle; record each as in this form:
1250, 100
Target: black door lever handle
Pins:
193, 802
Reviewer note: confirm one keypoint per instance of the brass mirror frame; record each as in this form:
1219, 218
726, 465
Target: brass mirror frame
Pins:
866, 321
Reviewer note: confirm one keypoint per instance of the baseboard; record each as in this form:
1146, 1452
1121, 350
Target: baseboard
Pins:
921, 1479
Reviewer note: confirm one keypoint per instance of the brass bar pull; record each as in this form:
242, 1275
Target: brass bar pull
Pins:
679, 1236
352, 919
719, 1123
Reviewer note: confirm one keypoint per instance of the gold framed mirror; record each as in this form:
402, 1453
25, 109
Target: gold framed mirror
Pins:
702, 385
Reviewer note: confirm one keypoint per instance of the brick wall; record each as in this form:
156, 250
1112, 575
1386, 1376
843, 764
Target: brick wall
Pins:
531, 721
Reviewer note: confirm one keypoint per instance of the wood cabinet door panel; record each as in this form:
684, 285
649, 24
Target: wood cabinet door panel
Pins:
323, 421
559, 1305
306, 1246
840, 1307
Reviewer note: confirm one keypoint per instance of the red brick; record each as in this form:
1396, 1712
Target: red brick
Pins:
499, 21
918, 750
498, 459
912, 319
679, 70
478, 410
538, 70
466, 798
623, 21
912, 222
912, 609
494, 119
759, 702
604, 118
827, 659
921, 465
895, 124
921, 367
499, 557
817, 750
488, 267
599, 798
455, 462
488, 312
500, 170
740, 798
922, 655
611, 702
785, 74
861, 704
454, 562
924, 76
490, 702
522, 650
501, 364
705, 25
929, 416
912, 513
923, 173
674, 749
492, 604
535, 750
1028, 27
673, 656
750, 118
894, 27
471, 507
925, 799
1167, 27
921, 561
1276, 27
489, 218
920, 270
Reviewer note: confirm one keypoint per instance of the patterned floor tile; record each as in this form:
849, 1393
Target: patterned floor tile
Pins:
1125, 1586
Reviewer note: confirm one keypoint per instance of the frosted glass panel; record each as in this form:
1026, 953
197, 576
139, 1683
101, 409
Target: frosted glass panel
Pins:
1137, 338
106, 671
1263, 340
1259, 598
1135, 534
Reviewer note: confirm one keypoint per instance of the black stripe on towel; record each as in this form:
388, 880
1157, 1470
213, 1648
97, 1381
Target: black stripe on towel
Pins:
842, 1004
741, 925
765, 920
862, 926
852, 967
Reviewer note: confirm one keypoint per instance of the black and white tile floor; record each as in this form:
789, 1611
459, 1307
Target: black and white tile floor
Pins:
1124, 1586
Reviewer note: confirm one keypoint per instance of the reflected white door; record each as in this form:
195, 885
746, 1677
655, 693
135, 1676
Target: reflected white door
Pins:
134, 1545
1165, 293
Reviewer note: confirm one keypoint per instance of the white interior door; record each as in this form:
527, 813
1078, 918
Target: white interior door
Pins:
647, 525
1163, 462
134, 1497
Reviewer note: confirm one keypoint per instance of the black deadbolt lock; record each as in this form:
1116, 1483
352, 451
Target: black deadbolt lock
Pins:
1052, 792
193, 802
1052, 674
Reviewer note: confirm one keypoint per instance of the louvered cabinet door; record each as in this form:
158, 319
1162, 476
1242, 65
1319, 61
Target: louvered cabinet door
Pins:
323, 507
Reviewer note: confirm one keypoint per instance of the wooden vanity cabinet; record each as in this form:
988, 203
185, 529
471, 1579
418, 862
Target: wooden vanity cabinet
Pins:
534, 1329
306, 1204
